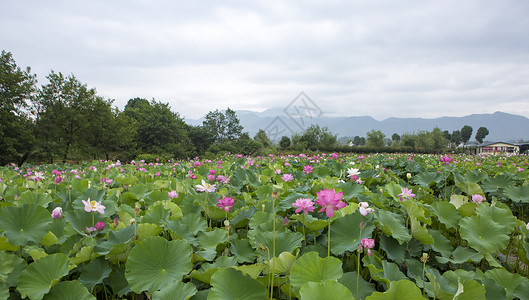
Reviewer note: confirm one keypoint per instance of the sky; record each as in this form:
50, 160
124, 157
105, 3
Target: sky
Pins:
377, 58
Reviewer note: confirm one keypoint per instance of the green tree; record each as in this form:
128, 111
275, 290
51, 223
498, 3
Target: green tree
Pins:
17, 88
316, 138
481, 134
223, 126
395, 137
62, 116
359, 141
375, 138
284, 142
201, 139
466, 133
456, 138
408, 140
263, 138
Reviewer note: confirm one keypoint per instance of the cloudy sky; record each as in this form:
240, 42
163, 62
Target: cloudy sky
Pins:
379, 58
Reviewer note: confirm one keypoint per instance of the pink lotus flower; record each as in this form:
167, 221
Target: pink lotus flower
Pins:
364, 208
477, 198
211, 177
308, 169
90, 229
277, 171
100, 226
406, 194
90, 206
446, 160
330, 201
287, 177
368, 244
57, 180
225, 203
115, 223
303, 204
56, 213
223, 179
206, 187
172, 194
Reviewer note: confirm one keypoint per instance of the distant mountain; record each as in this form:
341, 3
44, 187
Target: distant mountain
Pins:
502, 126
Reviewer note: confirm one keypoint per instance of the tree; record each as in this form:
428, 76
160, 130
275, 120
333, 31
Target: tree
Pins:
223, 126
395, 137
456, 138
17, 88
375, 138
316, 137
262, 137
284, 142
466, 133
62, 116
481, 134
201, 139
359, 141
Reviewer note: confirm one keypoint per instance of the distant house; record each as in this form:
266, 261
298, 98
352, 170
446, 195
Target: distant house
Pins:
499, 148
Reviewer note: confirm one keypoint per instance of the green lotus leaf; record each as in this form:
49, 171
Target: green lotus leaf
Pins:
7, 265
417, 211
12, 277
242, 249
204, 275
86, 253
500, 213
509, 281
392, 224
117, 281
469, 188
350, 189
458, 200
483, 234
119, 237
251, 270
310, 267
425, 179
34, 198
325, 290
156, 262
232, 284
80, 219
285, 241
385, 272
94, 273
283, 263
69, 290
147, 230
28, 223
345, 233
394, 250
5, 245
40, 276
440, 243
500, 181
447, 213
475, 176
468, 209
221, 262
402, 289
364, 288
394, 189
311, 223
519, 194
461, 255
155, 196
469, 289
420, 232
212, 238
4, 291
194, 223
176, 291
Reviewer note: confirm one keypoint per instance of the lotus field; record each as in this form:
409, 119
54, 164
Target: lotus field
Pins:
283, 227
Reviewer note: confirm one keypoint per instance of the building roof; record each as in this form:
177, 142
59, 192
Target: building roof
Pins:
490, 144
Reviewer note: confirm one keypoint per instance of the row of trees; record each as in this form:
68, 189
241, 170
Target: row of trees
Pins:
64, 120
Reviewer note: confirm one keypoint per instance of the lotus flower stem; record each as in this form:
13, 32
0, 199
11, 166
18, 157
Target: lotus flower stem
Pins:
358, 262
329, 239
304, 235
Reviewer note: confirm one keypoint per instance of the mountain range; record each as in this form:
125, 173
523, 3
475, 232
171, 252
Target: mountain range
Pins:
278, 122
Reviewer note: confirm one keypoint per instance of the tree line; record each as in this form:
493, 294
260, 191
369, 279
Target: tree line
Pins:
66, 120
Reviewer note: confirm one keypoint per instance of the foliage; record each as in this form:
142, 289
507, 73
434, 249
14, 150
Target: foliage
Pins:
466, 133
481, 134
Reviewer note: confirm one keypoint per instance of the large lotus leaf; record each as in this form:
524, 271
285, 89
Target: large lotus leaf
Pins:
350, 189
69, 290
483, 234
345, 233
394, 250
285, 241
212, 238
232, 284
325, 290
310, 267
509, 281
119, 237
311, 223
5, 245
475, 176
156, 214
394, 189
221, 262
420, 232
283, 263
416, 210
402, 289
155, 196
40, 276
81, 219
517, 193
94, 273
242, 217
521, 291
392, 224
86, 253
386, 272
117, 281
147, 230
447, 213
28, 223
500, 213
156, 262
34, 198
176, 291
7, 265
4, 291
461, 255
469, 188
469, 289
364, 288
204, 275
440, 243
458, 200
493, 184
194, 223
242, 249
12, 277
425, 179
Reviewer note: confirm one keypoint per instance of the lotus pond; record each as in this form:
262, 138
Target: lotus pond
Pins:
283, 227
